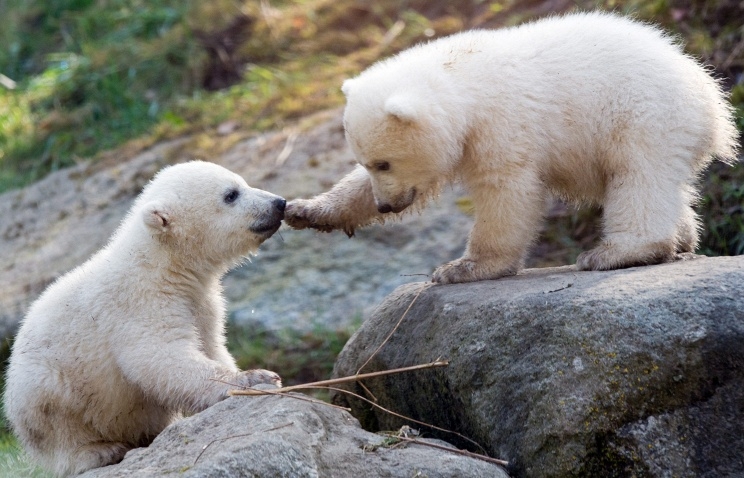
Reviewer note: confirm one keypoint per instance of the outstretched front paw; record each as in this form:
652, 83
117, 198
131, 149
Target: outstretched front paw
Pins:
606, 256
304, 213
249, 378
300, 214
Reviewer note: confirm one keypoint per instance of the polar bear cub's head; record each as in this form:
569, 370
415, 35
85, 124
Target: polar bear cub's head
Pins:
207, 213
400, 129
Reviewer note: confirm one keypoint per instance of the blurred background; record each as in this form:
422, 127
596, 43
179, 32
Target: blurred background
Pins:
97, 95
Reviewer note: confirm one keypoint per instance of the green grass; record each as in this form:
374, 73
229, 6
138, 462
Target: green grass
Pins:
722, 211
92, 76
14, 463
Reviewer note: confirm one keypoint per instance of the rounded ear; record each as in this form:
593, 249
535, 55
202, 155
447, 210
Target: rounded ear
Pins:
402, 107
157, 216
346, 86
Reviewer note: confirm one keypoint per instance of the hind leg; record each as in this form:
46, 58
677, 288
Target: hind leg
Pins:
58, 442
688, 231
646, 218
92, 455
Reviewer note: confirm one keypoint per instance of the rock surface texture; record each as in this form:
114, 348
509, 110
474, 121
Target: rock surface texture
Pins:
628, 373
284, 437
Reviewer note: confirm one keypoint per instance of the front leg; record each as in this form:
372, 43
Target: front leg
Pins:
507, 219
348, 205
177, 375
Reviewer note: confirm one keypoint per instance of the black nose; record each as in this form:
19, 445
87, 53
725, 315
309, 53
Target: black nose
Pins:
280, 204
384, 208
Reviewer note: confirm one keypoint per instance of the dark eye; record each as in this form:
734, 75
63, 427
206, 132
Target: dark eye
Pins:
231, 196
382, 166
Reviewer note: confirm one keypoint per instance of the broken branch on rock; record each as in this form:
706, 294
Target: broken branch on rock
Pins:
336, 381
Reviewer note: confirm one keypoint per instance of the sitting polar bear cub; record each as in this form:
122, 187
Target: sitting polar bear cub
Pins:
593, 108
112, 352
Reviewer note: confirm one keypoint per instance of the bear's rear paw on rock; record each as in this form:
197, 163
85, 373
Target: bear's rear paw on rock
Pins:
249, 378
613, 256
469, 270
94, 455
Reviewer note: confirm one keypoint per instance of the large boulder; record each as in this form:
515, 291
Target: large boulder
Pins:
272, 436
636, 372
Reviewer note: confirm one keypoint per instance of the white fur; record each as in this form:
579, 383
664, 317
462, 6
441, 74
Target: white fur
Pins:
116, 349
594, 108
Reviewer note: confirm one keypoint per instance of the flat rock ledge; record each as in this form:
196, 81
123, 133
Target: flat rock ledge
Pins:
272, 436
629, 373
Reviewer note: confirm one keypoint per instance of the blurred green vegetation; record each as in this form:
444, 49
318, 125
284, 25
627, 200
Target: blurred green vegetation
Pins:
14, 463
722, 211
85, 76
89, 75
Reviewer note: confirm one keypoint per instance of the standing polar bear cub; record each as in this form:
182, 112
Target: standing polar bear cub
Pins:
115, 350
594, 108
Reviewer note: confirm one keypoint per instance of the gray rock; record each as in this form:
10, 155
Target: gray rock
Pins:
636, 372
283, 437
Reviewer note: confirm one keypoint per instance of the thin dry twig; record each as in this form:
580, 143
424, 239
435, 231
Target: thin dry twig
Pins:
288, 147
423, 287
567, 286
734, 53
275, 392
434, 427
419, 422
336, 381
368, 391
204, 448
219, 380
303, 398
392, 34
469, 454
